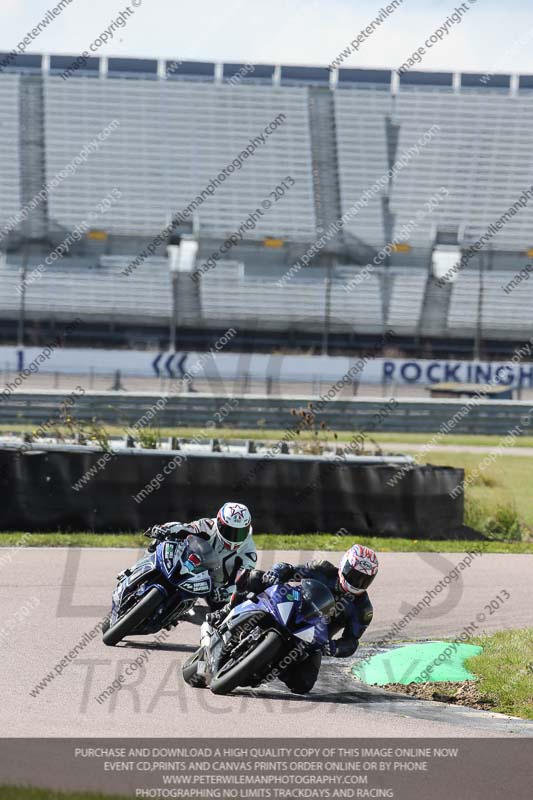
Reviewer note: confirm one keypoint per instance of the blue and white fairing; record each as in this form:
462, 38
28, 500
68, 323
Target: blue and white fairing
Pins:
144, 565
184, 565
302, 610
179, 570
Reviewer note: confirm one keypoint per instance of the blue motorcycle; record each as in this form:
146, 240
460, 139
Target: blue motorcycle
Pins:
261, 637
160, 589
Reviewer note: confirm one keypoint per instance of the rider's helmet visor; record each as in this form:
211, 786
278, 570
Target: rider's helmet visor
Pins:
231, 534
356, 580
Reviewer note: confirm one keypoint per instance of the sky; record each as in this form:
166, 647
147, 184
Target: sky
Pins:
492, 36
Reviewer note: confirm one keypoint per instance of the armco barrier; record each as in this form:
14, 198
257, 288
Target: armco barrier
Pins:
252, 411
296, 494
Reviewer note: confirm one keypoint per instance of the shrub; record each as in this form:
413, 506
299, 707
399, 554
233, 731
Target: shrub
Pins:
149, 438
502, 522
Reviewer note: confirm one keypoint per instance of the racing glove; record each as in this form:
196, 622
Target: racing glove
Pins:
330, 649
161, 532
158, 534
278, 574
173, 530
216, 617
219, 595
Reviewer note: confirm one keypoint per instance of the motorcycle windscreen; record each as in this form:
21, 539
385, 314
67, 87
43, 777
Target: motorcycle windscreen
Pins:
198, 555
196, 564
317, 600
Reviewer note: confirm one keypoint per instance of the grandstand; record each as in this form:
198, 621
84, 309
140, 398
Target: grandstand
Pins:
173, 138
177, 126
10, 198
98, 293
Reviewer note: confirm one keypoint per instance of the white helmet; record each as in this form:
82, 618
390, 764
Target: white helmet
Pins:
233, 525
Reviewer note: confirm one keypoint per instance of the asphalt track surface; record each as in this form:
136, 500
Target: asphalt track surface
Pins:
68, 591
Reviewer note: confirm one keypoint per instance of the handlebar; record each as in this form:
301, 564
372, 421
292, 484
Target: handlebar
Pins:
155, 532
161, 533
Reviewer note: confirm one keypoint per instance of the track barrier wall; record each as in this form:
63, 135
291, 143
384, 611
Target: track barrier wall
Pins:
407, 416
287, 494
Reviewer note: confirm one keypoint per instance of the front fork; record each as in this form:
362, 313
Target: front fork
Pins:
198, 678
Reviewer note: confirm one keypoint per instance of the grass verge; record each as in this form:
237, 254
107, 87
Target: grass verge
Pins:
20, 793
499, 489
505, 671
310, 542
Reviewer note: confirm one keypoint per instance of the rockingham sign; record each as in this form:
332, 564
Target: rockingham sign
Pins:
426, 372
517, 371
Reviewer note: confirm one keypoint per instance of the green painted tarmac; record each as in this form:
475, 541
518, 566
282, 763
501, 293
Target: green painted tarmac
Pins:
427, 662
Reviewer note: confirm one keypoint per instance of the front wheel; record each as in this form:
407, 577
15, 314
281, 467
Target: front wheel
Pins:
126, 625
191, 672
254, 662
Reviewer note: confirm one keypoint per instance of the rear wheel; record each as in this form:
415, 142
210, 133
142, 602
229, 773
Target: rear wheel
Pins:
138, 614
264, 654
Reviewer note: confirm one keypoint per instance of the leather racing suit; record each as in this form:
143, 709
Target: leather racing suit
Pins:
352, 615
230, 561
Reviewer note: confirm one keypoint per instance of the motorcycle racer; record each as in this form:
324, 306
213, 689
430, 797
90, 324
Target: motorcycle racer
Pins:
230, 536
353, 610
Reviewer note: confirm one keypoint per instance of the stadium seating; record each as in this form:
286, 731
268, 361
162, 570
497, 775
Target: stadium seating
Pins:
81, 287
362, 149
97, 289
181, 123
481, 154
299, 302
174, 138
407, 296
504, 314
10, 196
101, 291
